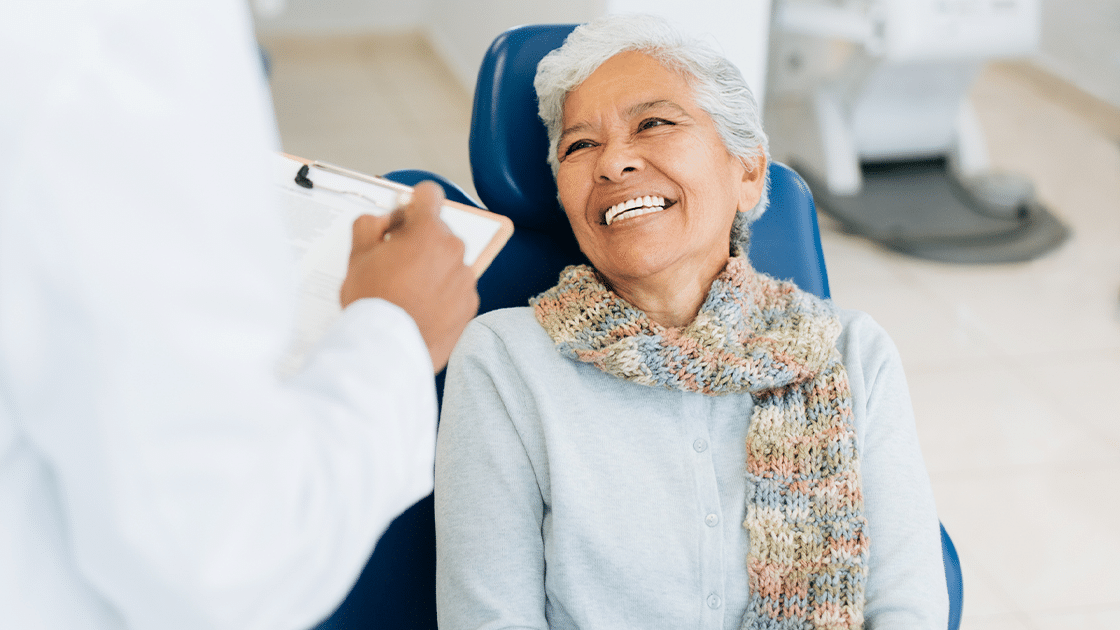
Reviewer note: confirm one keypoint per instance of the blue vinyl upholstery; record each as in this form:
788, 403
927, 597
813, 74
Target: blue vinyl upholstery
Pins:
412, 176
953, 579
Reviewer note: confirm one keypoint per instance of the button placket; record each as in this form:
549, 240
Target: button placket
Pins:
699, 409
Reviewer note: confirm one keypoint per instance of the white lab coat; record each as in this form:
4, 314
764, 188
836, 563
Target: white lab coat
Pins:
154, 473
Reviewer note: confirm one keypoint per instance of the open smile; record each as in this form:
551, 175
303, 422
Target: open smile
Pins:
636, 207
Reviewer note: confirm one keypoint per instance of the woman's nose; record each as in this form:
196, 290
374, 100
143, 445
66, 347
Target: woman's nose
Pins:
616, 161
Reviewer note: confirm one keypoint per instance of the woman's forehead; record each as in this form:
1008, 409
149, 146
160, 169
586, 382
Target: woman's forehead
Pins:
629, 83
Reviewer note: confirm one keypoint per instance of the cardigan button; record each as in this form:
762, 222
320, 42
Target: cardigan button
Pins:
714, 601
700, 446
712, 520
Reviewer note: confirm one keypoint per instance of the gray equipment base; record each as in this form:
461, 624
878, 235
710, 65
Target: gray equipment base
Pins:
918, 208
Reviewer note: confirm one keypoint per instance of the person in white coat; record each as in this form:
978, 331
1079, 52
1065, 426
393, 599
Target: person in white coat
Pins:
154, 470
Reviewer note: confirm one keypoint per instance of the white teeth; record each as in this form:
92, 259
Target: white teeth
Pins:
645, 205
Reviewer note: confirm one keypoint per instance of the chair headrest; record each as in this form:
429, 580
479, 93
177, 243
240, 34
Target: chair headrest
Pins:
508, 143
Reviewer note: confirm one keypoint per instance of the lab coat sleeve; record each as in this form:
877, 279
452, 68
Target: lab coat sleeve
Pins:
145, 299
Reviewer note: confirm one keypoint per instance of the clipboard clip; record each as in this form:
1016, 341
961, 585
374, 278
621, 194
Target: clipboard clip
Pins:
302, 179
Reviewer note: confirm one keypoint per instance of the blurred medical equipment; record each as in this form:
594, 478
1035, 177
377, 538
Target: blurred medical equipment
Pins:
894, 151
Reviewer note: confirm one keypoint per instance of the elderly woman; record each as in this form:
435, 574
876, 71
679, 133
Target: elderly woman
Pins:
671, 439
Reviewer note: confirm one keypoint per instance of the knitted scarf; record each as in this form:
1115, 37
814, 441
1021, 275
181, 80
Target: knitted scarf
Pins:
807, 563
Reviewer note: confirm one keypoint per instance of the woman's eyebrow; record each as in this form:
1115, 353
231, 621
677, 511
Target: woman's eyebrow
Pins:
573, 129
641, 108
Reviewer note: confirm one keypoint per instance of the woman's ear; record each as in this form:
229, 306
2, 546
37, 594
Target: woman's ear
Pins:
754, 178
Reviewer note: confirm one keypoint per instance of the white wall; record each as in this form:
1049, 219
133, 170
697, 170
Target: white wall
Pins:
462, 30
305, 17
739, 28
1081, 44
1080, 40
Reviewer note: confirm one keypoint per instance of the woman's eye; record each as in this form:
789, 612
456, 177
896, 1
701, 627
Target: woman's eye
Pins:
653, 122
576, 146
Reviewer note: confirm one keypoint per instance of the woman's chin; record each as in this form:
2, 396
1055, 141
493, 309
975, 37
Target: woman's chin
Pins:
637, 265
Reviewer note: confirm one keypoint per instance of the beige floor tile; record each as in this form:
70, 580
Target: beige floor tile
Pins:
424, 102
983, 417
855, 262
422, 87
1043, 306
1094, 618
332, 102
1003, 622
1045, 534
926, 330
1080, 387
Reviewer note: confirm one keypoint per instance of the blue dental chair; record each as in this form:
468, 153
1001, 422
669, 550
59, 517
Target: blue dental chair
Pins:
508, 147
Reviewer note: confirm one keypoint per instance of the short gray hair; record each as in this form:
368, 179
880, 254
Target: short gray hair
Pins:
718, 86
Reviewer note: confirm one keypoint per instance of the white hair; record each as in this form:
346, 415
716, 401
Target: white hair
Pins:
718, 86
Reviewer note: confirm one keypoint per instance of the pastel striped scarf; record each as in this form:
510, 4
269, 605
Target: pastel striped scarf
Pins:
807, 564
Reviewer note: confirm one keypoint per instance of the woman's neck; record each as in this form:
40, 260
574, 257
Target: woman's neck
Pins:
668, 298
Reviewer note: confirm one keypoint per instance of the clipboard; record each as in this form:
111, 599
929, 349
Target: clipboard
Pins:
483, 233
320, 203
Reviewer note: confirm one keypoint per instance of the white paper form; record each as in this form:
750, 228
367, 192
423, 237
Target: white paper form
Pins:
320, 221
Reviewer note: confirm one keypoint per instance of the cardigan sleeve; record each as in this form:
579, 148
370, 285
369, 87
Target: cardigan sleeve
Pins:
906, 585
488, 503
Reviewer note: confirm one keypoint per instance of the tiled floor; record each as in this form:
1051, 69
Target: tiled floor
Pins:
1014, 369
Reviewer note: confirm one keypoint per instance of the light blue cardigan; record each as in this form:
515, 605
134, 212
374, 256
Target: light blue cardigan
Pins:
569, 498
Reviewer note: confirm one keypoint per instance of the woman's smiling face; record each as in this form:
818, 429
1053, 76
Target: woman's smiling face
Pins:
646, 182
